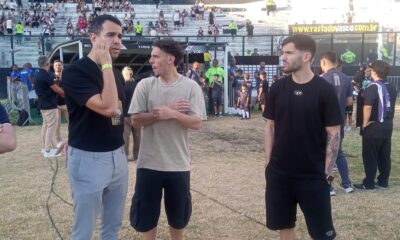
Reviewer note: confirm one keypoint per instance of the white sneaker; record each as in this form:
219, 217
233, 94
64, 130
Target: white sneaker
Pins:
42, 151
332, 192
348, 189
59, 144
51, 153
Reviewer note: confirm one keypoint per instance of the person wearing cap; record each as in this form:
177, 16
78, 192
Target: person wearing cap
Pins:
47, 90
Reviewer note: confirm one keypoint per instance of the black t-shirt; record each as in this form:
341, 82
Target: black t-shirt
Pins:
379, 129
301, 112
3, 115
129, 90
47, 98
89, 130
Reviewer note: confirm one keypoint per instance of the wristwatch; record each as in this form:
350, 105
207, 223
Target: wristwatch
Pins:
329, 179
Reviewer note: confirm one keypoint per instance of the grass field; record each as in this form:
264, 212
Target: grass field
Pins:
227, 189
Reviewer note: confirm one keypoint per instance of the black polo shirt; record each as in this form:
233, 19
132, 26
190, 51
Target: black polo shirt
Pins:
47, 98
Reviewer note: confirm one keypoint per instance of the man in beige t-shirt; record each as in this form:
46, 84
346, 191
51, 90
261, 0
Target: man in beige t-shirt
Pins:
166, 106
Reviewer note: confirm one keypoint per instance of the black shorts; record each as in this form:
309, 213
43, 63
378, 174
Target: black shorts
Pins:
348, 110
216, 100
176, 23
146, 202
284, 193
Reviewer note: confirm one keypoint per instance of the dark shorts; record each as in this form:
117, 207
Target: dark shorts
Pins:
146, 202
176, 23
216, 99
284, 193
348, 110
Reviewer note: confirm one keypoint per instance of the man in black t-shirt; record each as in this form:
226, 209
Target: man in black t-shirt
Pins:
377, 128
47, 90
8, 140
97, 166
302, 136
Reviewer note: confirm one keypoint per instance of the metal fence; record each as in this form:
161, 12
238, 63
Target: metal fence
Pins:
365, 47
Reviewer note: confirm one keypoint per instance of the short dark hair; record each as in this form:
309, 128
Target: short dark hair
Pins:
58, 60
172, 47
97, 24
330, 56
302, 42
216, 75
381, 68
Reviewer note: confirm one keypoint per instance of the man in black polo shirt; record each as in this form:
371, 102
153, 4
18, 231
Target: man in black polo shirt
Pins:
377, 128
97, 166
302, 136
47, 90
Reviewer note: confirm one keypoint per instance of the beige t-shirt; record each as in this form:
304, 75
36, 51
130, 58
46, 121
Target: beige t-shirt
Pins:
164, 145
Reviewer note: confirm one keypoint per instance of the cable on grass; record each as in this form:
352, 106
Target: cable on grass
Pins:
229, 208
53, 180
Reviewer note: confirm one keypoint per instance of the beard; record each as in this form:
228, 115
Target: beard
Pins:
292, 67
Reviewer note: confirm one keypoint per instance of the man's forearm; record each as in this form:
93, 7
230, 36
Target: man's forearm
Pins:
188, 121
366, 114
142, 119
332, 148
109, 93
269, 132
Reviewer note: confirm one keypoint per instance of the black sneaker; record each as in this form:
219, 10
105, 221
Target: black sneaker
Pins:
377, 186
363, 188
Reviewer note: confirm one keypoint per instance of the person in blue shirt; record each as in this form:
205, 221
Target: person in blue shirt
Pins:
26, 76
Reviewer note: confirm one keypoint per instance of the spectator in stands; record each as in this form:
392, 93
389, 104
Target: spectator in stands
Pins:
247, 53
26, 75
9, 26
161, 16
126, 5
210, 31
215, 30
175, 19
232, 28
35, 21
14, 74
47, 90
130, 85
19, 32
61, 104
8, 140
97, 6
200, 33
211, 18
117, 6
255, 52
249, 28
192, 13
201, 9
182, 19
37, 7
271, 6
1, 29
12, 6
70, 29
139, 29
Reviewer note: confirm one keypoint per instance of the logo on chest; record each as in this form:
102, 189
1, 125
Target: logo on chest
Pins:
298, 93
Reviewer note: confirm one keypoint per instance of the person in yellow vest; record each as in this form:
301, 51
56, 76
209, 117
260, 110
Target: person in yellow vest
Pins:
384, 54
19, 31
138, 29
232, 28
247, 53
271, 7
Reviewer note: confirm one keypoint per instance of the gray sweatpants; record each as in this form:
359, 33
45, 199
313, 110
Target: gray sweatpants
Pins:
99, 184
